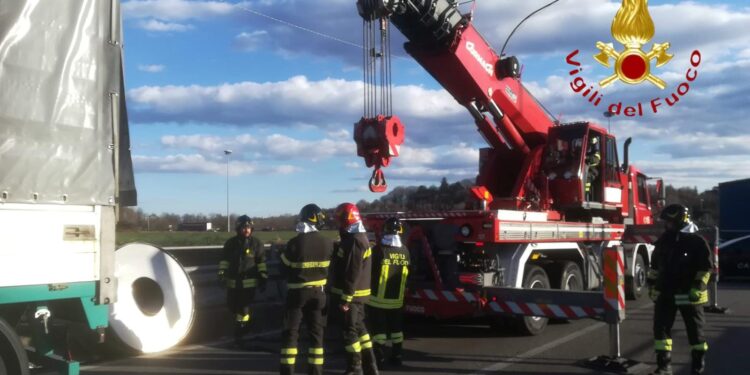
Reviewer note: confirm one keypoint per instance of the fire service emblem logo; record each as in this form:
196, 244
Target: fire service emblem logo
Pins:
633, 27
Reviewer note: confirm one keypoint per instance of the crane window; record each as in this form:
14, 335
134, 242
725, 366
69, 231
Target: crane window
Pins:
610, 162
642, 190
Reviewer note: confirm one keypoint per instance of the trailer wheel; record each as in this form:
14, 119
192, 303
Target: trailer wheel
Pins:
13, 360
534, 278
634, 284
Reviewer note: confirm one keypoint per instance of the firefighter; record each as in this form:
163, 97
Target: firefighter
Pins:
593, 159
351, 288
242, 268
678, 280
305, 260
390, 268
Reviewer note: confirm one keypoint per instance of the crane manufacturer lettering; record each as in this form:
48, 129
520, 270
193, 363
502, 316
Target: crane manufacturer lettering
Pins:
473, 51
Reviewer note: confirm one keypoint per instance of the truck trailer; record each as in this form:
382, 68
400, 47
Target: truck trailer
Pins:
65, 169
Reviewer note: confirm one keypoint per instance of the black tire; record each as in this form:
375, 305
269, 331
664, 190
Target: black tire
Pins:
534, 278
13, 359
571, 277
636, 284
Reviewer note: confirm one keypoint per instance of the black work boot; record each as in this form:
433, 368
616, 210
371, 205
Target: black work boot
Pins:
663, 363
286, 369
314, 369
239, 332
379, 350
353, 364
369, 362
396, 356
699, 362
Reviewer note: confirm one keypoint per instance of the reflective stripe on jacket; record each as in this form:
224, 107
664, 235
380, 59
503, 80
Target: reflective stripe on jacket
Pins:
243, 262
390, 269
306, 259
351, 267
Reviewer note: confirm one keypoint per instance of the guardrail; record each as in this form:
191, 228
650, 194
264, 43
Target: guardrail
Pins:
201, 264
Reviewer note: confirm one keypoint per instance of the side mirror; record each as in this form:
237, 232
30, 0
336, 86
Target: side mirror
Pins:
661, 193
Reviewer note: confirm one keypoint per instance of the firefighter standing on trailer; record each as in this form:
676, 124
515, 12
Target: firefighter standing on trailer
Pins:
351, 288
678, 279
306, 259
242, 268
385, 309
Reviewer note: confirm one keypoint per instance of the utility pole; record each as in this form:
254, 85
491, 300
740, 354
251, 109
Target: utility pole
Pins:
227, 153
609, 115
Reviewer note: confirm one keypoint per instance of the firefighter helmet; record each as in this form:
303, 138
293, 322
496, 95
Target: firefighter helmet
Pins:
347, 214
312, 214
676, 214
393, 226
244, 221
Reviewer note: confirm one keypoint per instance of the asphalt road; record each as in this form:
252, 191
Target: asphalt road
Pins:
458, 347
455, 347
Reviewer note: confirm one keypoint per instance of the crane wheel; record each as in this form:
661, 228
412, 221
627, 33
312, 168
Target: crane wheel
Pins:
636, 284
534, 278
13, 359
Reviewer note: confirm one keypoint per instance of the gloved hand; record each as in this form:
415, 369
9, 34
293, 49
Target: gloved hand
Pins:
697, 296
262, 284
653, 293
344, 306
222, 280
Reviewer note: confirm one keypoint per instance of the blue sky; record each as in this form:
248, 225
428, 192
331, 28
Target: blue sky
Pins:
205, 76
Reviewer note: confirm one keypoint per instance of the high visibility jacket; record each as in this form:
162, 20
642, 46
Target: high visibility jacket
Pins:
306, 260
244, 262
351, 268
390, 268
680, 262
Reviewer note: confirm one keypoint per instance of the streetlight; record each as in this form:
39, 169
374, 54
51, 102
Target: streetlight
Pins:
609, 115
148, 222
227, 153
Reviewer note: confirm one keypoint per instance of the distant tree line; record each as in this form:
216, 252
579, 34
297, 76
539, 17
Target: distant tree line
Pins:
704, 207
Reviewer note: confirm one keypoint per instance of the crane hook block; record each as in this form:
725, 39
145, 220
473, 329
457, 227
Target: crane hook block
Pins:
377, 181
378, 140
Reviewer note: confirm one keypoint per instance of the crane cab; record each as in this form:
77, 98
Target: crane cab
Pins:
583, 170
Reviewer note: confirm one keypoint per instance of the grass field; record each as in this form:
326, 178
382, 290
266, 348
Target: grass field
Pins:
165, 239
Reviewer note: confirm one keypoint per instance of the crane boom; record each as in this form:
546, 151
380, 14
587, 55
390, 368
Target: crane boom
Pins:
447, 45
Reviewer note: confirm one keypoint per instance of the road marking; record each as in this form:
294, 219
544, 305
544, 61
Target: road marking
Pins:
511, 361
178, 350
552, 344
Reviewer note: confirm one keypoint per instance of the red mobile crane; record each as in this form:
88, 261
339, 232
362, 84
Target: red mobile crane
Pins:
532, 221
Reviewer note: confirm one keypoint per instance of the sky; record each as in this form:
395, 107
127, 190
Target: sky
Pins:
279, 82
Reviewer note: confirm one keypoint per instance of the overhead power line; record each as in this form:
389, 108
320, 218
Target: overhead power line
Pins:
290, 24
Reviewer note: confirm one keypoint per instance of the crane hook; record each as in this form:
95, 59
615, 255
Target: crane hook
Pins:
377, 181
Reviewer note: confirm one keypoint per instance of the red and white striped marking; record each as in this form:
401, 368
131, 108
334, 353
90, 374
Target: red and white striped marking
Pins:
546, 310
444, 295
614, 279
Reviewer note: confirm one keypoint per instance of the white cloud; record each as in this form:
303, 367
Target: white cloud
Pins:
176, 9
154, 68
704, 173
200, 164
296, 100
250, 41
284, 147
194, 163
159, 26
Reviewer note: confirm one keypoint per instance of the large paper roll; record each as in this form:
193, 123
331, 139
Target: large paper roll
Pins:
155, 305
